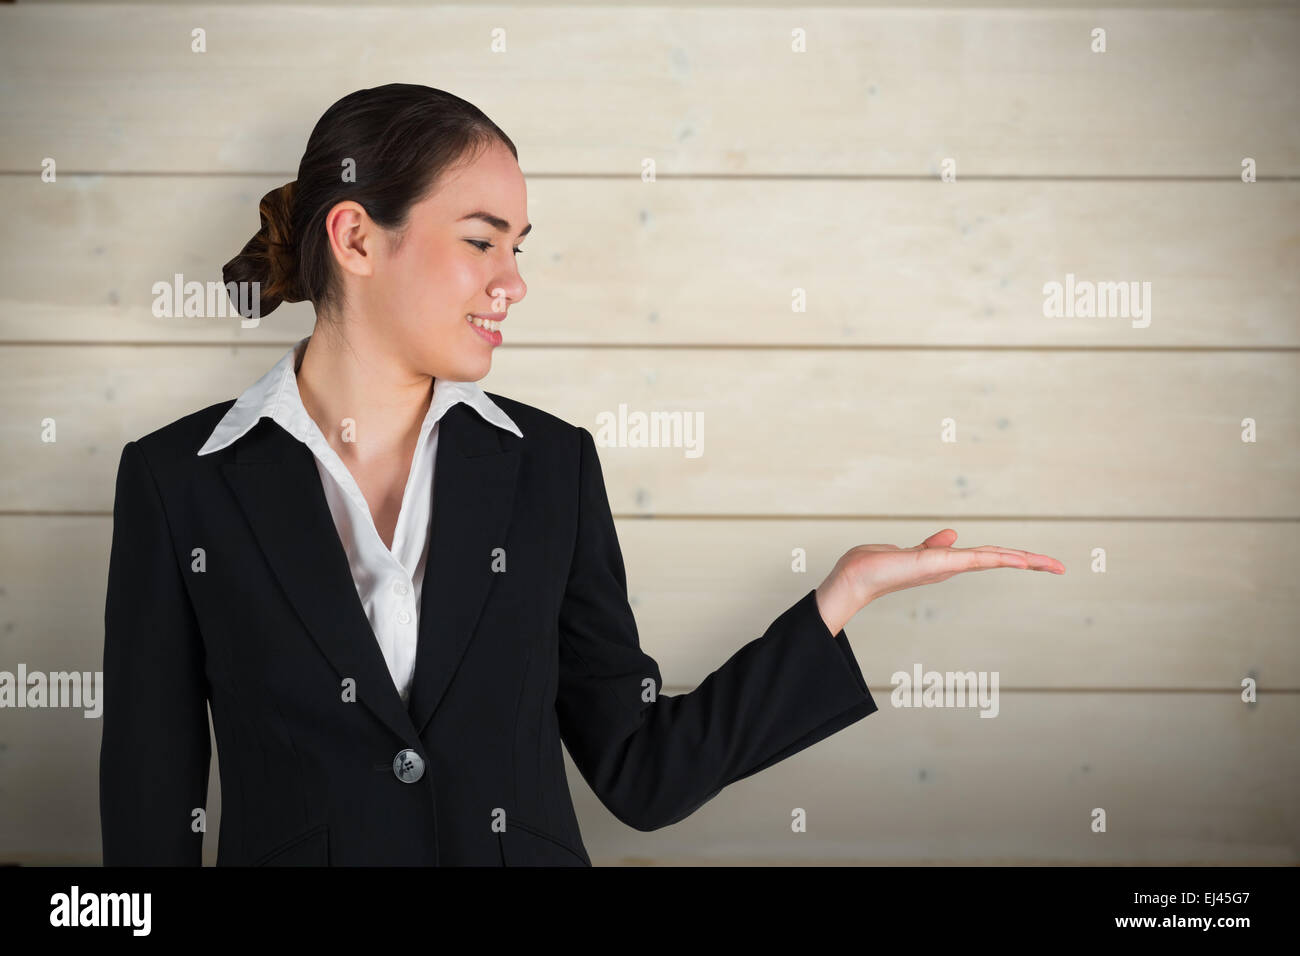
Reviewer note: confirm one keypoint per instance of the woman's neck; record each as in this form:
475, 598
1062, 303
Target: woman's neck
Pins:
347, 376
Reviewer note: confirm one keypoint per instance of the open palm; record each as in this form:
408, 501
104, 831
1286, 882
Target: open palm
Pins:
870, 570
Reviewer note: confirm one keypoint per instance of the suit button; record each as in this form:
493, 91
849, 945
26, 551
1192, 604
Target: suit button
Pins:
409, 766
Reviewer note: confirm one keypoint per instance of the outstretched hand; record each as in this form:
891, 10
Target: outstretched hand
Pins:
868, 571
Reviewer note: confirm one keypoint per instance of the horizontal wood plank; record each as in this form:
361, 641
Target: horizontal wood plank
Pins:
1179, 606
702, 91
1182, 778
1053, 434
718, 262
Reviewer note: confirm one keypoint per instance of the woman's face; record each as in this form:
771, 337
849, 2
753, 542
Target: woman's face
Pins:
456, 258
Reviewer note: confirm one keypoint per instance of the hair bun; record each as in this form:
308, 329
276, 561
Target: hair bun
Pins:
276, 212
271, 256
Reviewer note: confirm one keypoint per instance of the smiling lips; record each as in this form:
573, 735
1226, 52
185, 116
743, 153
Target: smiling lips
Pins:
487, 328
490, 321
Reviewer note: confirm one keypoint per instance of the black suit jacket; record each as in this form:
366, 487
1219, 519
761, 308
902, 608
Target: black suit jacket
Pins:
264, 624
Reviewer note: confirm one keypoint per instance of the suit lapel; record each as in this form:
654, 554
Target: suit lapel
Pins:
275, 479
474, 490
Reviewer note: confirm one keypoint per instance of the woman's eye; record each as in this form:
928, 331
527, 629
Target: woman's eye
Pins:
483, 245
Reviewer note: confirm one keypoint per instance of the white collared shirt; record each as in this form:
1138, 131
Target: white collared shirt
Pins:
389, 582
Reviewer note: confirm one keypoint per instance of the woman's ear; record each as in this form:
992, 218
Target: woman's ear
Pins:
353, 237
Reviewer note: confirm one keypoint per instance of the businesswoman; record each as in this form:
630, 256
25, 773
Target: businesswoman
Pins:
399, 593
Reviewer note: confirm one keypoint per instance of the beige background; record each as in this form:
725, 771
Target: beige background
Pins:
775, 171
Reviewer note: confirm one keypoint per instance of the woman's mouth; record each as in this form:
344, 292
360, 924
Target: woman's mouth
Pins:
486, 329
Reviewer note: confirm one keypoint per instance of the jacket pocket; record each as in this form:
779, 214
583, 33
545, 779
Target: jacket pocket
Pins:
306, 849
523, 844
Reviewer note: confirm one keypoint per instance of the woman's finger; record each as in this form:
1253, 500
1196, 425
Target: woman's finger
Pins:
979, 559
1043, 562
1033, 561
940, 539
994, 547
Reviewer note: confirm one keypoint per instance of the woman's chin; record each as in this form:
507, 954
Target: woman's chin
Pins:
470, 368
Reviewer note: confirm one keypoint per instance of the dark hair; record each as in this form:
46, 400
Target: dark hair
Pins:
396, 141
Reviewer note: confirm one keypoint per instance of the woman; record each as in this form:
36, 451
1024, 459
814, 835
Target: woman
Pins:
392, 664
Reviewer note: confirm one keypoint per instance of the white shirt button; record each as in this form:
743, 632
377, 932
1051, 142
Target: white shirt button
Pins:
400, 587
404, 618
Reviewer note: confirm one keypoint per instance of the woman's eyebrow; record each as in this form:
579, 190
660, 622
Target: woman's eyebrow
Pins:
496, 222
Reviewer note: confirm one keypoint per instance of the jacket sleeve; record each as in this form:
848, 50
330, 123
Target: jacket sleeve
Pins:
653, 762
154, 753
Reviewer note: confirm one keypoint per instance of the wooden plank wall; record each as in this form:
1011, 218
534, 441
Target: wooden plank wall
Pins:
776, 171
